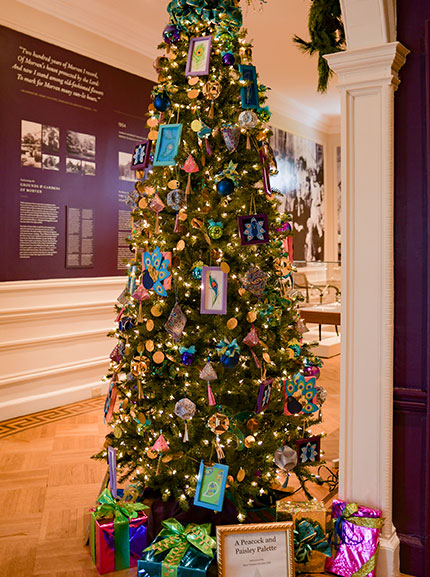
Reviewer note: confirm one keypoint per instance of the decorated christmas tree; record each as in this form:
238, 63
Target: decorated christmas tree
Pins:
211, 386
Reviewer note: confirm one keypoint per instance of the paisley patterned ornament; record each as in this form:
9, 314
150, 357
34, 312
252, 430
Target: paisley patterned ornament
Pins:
156, 273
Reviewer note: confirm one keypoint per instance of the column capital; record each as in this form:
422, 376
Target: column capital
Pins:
370, 66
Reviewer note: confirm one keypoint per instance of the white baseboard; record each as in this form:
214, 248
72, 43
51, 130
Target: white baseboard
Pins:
388, 564
51, 399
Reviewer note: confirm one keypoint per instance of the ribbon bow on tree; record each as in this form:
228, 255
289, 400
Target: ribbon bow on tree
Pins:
177, 539
228, 349
230, 172
309, 536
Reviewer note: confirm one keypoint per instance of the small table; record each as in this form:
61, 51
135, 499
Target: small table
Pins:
322, 315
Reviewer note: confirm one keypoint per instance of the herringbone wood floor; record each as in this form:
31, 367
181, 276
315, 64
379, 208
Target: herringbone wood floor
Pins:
48, 483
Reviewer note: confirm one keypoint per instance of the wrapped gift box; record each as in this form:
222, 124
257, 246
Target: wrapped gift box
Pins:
311, 531
356, 538
176, 547
117, 542
287, 510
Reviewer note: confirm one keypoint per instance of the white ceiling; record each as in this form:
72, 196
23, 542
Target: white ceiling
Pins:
138, 25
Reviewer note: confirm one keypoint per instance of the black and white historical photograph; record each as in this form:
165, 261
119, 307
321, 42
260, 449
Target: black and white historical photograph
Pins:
124, 170
50, 162
31, 144
300, 186
81, 145
73, 165
50, 139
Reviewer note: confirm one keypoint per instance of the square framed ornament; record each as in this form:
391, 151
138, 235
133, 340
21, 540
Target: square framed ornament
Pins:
169, 136
210, 487
249, 93
253, 229
140, 157
199, 54
156, 275
309, 450
264, 394
213, 291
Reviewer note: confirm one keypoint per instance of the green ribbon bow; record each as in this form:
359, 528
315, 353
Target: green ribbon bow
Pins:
121, 512
309, 536
177, 539
230, 172
185, 13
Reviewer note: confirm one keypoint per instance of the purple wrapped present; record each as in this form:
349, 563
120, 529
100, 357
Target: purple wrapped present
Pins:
356, 537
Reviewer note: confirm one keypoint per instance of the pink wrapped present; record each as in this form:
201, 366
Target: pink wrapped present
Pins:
356, 537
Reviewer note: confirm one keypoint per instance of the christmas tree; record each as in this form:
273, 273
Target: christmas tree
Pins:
210, 366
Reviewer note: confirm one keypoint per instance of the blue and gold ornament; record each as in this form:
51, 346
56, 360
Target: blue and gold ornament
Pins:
300, 394
227, 179
156, 271
196, 271
229, 353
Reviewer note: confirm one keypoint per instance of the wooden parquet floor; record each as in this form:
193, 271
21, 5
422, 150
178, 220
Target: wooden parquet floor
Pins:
48, 483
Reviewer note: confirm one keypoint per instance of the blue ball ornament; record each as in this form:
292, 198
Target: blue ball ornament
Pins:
225, 186
126, 323
162, 102
171, 34
230, 362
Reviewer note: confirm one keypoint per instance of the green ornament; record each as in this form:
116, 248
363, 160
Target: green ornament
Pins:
215, 229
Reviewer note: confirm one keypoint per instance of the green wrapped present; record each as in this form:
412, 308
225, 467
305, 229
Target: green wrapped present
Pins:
178, 551
311, 547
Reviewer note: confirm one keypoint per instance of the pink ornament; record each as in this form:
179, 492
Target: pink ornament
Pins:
190, 165
312, 371
160, 444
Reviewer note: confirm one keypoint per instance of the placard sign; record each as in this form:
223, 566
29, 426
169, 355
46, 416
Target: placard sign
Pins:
69, 128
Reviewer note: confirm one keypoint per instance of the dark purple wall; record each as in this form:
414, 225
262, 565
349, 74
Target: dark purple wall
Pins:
411, 478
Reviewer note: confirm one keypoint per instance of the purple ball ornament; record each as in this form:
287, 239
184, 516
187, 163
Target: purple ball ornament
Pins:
285, 227
187, 355
171, 34
228, 59
312, 371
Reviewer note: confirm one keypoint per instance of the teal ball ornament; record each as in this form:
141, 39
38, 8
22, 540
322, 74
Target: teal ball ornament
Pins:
162, 102
225, 186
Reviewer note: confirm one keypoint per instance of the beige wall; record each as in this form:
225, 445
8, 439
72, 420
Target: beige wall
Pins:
53, 344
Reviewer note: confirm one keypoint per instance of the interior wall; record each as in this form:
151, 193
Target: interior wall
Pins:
53, 344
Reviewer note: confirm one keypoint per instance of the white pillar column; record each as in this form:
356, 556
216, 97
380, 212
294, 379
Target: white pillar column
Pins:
368, 78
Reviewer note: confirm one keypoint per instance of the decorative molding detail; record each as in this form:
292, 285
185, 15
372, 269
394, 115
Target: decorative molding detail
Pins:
367, 79
38, 313
47, 340
24, 377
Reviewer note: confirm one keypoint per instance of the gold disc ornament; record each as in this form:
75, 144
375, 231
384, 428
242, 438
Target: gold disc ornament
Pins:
143, 203
251, 316
152, 122
182, 215
173, 184
252, 425
181, 245
267, 358
149, 345
156, 311
232, 324
149, 325
240, 475
166, 458
153, 135
158, 357
196, 125
193, 80
151, 454
249, 441
193, 93
225, 267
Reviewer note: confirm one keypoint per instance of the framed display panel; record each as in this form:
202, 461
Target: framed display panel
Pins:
256, 550
169, 136
213, 291
211, 484
249, 93
199, 54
